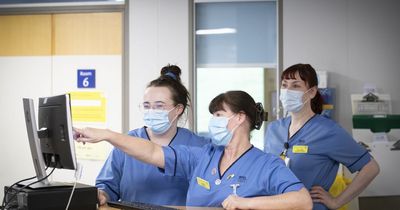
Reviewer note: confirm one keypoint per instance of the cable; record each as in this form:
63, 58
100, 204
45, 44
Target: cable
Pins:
78, 175
16, 193
8, 189
72, 193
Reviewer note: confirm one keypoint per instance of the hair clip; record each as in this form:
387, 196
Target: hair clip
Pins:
170, 74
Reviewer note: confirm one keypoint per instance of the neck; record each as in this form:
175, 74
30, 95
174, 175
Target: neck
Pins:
303, 116
165, 138
238, 145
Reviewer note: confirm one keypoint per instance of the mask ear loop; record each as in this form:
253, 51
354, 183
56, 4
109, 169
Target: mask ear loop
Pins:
309, 99
176, 117
233, 129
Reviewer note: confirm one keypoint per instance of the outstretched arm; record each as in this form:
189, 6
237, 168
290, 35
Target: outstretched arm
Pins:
138, 148
290, 200
359, 183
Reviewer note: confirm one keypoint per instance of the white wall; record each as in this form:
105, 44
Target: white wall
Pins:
20, 77
159, 34
356, 41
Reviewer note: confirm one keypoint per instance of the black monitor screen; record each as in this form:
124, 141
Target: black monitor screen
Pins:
55, 132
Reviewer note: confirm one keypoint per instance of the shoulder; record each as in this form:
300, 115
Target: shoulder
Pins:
322, 122
266, 158
138, 132
279, 122
187, 137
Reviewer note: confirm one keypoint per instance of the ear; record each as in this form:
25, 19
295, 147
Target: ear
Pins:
179, 109
313, 92
241, 117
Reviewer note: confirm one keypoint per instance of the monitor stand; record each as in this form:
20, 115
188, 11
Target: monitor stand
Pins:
45, 184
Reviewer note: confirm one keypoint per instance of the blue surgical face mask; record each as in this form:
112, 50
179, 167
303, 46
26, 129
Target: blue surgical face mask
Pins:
292, 100
157, 120
220, 135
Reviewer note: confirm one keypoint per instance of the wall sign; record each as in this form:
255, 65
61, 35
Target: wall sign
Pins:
86, 78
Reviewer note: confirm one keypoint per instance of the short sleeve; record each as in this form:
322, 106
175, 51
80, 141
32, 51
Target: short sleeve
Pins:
109, 177
280, 179
345, 150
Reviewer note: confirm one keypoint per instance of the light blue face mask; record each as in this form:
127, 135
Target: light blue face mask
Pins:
220, 135
157, 120
292, 100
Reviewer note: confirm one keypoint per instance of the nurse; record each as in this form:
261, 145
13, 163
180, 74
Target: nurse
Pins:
126, 178
231, 172
312, 145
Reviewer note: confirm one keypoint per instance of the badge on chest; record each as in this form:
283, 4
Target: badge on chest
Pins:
203, 183
301, 149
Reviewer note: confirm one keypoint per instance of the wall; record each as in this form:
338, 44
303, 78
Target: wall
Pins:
356, 41
159, 34
39, 57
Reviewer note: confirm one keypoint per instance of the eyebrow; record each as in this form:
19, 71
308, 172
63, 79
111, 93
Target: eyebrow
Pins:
295, 81
148, 102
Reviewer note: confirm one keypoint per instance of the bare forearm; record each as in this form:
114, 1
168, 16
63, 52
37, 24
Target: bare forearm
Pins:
139, 148
359, 183
291, 200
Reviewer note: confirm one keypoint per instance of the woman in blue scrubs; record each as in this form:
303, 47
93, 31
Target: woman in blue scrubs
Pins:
312, 145
231, 172
126, 178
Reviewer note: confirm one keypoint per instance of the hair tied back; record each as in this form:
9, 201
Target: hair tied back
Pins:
170, 74
260, 116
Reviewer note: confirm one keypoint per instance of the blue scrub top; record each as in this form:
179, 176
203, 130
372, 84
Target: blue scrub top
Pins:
257, 173
328, 145
123, 177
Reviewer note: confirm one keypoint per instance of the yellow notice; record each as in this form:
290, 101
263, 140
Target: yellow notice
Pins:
203, 183
97, 151
88, 107
89, 110
300, 149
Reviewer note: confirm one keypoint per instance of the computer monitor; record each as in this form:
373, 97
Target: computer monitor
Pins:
51, 145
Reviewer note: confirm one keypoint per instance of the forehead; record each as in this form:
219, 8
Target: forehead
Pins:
295, 80
153, 94
225, 108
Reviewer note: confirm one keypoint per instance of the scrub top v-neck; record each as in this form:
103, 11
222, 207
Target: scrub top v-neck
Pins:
316, 150
255, 173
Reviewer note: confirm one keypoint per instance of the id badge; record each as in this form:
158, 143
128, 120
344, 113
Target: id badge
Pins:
287, 160
203, 183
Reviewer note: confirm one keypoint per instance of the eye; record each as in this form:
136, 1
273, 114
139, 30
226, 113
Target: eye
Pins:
284, 86
146, 106
159, 106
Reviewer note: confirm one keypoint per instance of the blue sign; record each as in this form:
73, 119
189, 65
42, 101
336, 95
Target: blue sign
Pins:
86, 78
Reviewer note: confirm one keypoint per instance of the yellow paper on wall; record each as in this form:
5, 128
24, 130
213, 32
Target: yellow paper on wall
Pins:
89, 110
88, 107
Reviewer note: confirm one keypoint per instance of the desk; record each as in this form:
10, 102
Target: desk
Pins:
178, 207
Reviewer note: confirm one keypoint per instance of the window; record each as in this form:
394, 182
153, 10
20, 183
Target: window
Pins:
236, 49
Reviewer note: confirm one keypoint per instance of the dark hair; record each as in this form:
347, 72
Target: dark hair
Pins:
170, 78
309, 76
240, 101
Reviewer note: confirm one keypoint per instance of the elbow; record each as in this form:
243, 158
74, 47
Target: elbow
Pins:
304, 200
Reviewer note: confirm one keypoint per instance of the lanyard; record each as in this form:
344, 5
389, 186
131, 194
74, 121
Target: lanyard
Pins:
283, 154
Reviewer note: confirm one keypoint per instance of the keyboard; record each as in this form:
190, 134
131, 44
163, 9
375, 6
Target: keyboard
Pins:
136, 205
